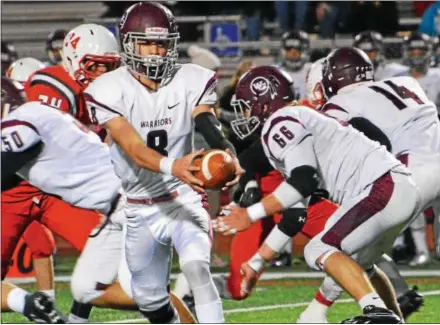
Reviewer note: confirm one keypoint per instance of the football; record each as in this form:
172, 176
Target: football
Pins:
217, 167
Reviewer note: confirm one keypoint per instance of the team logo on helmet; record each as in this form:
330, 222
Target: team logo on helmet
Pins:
259, 86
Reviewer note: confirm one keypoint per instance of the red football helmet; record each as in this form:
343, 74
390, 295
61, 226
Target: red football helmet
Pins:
12, 96
146, 22
259, 93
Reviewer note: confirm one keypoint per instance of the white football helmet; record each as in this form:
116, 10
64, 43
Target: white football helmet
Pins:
315, 92
86, 47
23, 68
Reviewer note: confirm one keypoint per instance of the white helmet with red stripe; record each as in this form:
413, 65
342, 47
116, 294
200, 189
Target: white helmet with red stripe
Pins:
315, 92
88, 47
23, 68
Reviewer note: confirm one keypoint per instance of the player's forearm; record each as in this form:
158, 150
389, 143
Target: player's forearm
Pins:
285, 196
146, 158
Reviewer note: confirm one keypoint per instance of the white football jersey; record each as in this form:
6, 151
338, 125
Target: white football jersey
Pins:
345, 159
299, 79
388, 70
430, 83
163, 118
398, 106
74, 164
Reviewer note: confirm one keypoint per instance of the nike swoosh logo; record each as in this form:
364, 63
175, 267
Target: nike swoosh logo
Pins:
170, 107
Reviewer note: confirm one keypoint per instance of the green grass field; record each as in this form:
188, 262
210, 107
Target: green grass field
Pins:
275, 301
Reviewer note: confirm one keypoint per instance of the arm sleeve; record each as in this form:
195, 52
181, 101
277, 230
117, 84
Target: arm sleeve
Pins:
104, 101
371, 131
253, 160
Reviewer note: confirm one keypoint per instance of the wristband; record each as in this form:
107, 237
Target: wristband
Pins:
256, 211
256, 263
166, 165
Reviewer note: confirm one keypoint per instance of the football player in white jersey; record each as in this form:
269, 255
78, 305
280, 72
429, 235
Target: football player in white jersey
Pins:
295, 51
371, 42
409, 299
418, 52
150, 107
377, 197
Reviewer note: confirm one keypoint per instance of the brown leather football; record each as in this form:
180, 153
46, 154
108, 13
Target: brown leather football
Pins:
217, 167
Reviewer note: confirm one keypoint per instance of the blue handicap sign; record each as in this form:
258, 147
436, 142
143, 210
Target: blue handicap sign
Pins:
113, 29
221, 33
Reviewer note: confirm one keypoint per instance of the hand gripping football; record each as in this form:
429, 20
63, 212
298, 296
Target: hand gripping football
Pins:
217, 167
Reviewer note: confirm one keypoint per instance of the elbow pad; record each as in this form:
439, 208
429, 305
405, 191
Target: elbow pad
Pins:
209, 126
293, 221
304, 179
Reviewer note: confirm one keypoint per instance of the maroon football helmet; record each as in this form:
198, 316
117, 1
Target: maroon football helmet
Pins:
343, 67
260, 92
12, 96
143, 22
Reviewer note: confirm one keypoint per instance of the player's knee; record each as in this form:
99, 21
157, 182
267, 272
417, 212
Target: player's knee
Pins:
39, 240
200, 281
162, 315
316, 253
84, 290
150, 298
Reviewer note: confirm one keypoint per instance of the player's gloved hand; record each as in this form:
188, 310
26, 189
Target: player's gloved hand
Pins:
251, 195
249, 279
183, 169
238, 171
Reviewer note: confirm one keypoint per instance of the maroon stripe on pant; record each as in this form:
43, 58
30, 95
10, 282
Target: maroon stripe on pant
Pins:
369, 206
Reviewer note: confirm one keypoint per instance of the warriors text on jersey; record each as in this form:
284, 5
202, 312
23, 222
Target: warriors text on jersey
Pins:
74, 164
163, 118
398, 106
347, 161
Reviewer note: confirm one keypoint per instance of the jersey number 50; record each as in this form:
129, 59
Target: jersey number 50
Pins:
158, 140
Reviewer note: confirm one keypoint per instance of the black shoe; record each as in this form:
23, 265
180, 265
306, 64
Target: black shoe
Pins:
374, 315
40, 308
410, 302
283, 260
400, 255
189, 302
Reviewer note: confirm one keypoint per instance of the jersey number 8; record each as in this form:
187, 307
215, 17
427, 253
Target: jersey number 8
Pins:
158, 140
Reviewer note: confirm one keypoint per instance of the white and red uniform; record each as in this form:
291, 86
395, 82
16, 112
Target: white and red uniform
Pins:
161, 210
376, 195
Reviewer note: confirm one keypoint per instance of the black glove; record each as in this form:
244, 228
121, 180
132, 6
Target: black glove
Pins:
251, 195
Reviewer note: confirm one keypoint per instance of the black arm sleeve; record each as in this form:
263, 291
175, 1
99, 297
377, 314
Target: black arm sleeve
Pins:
292, 221
253, 160
209, 126
371, 131
13, 161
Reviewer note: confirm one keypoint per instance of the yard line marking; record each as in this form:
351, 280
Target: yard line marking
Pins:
265, 276
270, 307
